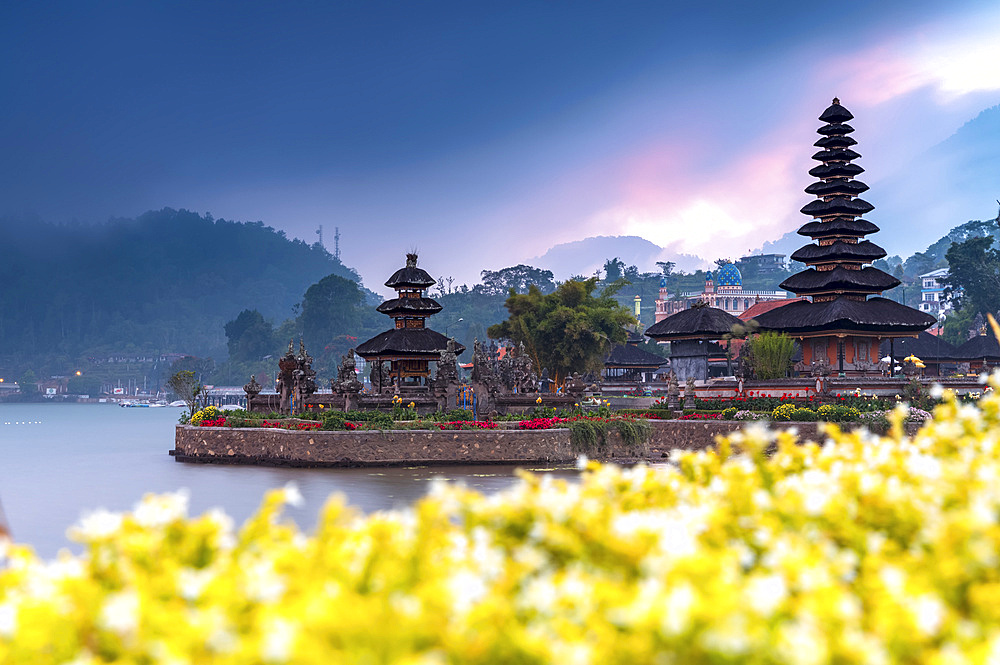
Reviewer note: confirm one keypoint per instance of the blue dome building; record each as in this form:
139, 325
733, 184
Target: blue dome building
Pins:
729, 276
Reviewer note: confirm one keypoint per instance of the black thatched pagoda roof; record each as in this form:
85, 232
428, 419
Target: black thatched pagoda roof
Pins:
629, 355
426, 306
978, 348
698, 322
835, 113
837, 205
875, 315
835, 142
864, 252
836, 170
410, 342
925, 346
837, 188
835, 130
866, 280
838, 226
410, 276
836, 154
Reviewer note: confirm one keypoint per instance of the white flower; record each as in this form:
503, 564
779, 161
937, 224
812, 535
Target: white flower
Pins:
293, 497
766, 593
276, 643
581, 462
928, 613
937, 391
159, 510
120, 613
97, 525
263, 583
8, 620
192, 581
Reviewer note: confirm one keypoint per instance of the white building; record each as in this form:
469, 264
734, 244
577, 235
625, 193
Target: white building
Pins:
932, 297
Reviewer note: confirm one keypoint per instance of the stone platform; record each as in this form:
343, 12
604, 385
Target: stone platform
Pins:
317, 448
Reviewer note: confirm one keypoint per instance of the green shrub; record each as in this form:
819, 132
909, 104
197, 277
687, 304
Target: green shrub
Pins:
590, 437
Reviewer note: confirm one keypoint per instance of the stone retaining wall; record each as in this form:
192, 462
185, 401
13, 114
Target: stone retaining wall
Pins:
278, 447
370, 448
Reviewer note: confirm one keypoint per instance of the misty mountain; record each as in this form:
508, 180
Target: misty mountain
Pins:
166, 282
584, 257
958, 178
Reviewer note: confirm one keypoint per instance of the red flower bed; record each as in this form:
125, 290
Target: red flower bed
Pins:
468, 424
541, 423
702, 416
217, 422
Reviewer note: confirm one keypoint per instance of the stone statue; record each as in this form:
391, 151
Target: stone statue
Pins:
304, 377
286, 380
574, 385
347, 376
252, 389
447, 367
673, 392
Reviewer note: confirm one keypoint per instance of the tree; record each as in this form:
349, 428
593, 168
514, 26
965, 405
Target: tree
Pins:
250, 336
333, 306
28, 383
973, 279
666, 267
568, 330
518, 278
186, 387
956, 327
614, 270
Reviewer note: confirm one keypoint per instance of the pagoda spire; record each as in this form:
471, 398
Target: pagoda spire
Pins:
845, 320
837, 261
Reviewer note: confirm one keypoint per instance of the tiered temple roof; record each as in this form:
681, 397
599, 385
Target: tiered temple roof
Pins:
410, 338
838, 279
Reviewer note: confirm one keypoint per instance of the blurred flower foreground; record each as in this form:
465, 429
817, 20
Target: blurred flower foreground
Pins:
865, 550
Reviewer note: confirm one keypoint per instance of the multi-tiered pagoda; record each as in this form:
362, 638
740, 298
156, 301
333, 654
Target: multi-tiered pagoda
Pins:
842, 325
410, 345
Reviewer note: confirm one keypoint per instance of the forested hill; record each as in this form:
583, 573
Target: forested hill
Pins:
166, 282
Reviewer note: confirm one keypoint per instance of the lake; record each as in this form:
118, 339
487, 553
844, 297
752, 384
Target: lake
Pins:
58, 461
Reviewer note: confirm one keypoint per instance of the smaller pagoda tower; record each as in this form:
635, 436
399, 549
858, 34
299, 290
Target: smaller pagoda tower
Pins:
410, 345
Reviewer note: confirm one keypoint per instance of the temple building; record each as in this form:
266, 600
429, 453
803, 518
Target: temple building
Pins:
692, 334
410, 345
841, 326
722, 291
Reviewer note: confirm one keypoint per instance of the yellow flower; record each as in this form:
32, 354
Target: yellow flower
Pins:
538, 401
739, 552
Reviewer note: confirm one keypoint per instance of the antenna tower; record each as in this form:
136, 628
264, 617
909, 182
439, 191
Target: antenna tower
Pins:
319, 232
336, 242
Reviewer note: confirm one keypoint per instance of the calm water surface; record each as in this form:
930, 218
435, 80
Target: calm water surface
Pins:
58, 461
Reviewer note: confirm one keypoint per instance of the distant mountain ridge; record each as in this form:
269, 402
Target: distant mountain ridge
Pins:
165, 282
585, 256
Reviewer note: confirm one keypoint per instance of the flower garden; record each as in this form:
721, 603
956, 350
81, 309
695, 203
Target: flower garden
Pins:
870, 549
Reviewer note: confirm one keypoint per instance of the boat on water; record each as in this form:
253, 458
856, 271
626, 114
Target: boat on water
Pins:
144, 405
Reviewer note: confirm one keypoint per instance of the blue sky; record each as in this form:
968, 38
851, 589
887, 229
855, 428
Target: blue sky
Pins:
478, 133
